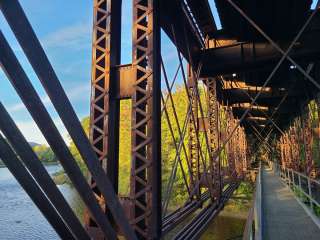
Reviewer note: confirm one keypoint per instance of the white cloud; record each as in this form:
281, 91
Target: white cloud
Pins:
76, 36
79, 92
32, 133
30, 129
74, 94
16, 107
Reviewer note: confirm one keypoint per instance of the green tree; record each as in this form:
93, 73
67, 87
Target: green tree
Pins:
168, 150
45, 154
85, 122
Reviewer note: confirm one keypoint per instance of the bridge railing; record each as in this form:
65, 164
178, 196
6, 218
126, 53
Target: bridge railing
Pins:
253, 228
306, 188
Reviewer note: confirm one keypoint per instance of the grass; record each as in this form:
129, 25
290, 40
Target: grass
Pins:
61, 178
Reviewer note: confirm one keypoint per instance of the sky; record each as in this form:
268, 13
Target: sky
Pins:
64, 29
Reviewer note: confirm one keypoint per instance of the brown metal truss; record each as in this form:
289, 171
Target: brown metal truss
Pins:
105, 106
146, 114
193, 124
213, 117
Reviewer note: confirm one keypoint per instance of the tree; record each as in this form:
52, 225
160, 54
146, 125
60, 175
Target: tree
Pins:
85, 122
44, 153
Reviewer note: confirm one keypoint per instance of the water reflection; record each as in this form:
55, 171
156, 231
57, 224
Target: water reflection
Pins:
225, 228
19, 217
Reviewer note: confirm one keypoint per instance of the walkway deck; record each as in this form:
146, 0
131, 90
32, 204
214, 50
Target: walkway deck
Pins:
283, 216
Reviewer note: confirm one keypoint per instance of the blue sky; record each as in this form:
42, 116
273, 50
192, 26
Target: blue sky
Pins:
65, 32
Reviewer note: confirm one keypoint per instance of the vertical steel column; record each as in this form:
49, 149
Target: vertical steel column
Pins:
317, 164
146, 117
222, 134
238, 160
243, 149
213, 115
300, 136
282, 151
230, 145
194, 157
297, 138
288, 151
105, 107
285, 155
308, 145
293, 146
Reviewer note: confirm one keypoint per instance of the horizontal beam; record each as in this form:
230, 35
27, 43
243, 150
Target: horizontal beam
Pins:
285, 108
269, 102
251, 56
244, 93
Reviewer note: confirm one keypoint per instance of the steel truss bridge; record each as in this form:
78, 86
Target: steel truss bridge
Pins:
247, 85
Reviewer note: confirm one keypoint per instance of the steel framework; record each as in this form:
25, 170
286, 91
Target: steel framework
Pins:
211, 142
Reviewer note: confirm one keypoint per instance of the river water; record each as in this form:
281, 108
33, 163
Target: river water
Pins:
20, 218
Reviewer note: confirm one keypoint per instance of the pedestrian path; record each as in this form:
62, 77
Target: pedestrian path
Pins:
283, 216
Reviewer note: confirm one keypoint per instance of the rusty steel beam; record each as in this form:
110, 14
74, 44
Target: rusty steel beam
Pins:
317, 167
193, 125
244, 94
146, 114
32, 101
109, 86
281, 19
285, 110
105, 105
307, 141
271, 102
213, 119
48, 78
125, 76
245, 57
303, 41
231, 144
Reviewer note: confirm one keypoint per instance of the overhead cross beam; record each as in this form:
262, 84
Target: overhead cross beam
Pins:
246, 57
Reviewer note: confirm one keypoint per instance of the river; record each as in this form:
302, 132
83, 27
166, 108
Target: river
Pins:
20, 219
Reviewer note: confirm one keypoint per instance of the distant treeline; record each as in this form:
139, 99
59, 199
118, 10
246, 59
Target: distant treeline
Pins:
44, 153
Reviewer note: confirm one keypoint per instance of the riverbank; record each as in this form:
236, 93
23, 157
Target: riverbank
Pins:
2, 165
61, 178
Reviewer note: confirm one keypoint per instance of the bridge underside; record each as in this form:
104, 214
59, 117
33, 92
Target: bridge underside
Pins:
241, 87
